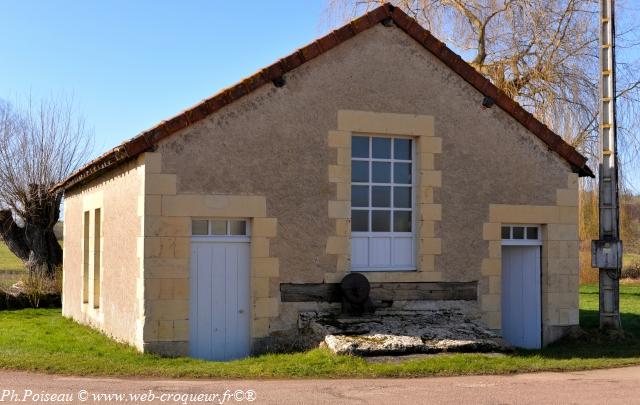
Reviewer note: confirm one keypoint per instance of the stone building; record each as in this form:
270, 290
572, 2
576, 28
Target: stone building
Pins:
374, 149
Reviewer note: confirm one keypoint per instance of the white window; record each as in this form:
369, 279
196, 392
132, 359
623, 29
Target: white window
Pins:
382, 203
219, 228
521, 235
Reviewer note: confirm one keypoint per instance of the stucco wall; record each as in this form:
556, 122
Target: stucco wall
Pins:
274, 143
116, 194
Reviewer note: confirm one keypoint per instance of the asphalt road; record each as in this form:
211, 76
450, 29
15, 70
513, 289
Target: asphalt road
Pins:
616, 386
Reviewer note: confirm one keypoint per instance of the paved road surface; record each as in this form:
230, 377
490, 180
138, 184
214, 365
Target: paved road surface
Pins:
617, 386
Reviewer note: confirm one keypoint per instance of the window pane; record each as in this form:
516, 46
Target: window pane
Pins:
380, 196
402, 149
402, 173
380, 221
360, 146
518, 232
218, 227
359, 196
359, 221
237, 227
402, 197
381, 148
506, 232
381, 172
199, 227
402, 221
360, 171
532, 233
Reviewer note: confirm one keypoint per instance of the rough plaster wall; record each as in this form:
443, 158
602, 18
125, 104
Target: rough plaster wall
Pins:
273, 143
121, 228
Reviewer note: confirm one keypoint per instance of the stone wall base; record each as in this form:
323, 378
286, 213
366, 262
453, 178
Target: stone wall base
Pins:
282, 342
469, 309
167, 349
306, 334
551, 334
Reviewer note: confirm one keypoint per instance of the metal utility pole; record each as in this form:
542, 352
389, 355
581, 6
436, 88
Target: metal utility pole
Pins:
607, 251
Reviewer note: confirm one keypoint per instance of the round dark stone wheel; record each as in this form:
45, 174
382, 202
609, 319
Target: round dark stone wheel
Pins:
355, 288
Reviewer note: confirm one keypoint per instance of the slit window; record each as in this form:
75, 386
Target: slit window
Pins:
97, 249
86, 249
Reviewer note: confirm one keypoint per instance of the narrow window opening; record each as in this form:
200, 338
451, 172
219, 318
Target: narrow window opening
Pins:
85, 256
96, 259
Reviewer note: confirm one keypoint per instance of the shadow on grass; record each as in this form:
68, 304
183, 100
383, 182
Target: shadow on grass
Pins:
593, 345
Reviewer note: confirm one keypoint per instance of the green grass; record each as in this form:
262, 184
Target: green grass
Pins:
42, 340
11, 268
8, 261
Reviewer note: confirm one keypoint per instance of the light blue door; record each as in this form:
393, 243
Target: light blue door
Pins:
219, 323
521, 311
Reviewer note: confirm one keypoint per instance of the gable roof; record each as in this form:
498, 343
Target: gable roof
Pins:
386, 13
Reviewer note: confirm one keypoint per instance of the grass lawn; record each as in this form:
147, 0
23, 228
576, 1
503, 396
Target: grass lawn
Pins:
42, 340
11, 268
8, 261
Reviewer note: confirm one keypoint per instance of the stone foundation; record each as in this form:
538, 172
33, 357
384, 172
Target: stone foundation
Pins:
553, 333
397, 332
168, 349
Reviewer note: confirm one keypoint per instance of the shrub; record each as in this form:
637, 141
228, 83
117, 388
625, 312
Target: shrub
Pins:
631, 271
37, 285
631, 267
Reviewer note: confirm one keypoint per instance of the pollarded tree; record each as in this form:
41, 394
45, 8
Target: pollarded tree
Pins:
39, 146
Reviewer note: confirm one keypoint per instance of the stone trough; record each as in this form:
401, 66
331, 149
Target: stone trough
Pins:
402, 332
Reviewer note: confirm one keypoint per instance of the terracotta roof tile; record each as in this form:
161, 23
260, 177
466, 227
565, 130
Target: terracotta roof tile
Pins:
327, 42
311, 51
148, 139
361, 24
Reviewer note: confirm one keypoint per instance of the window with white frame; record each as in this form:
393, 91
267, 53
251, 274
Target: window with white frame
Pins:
382, 203
521, 235
219, 227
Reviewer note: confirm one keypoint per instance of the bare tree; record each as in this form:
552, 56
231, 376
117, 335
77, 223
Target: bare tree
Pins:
542, 53
39, 146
